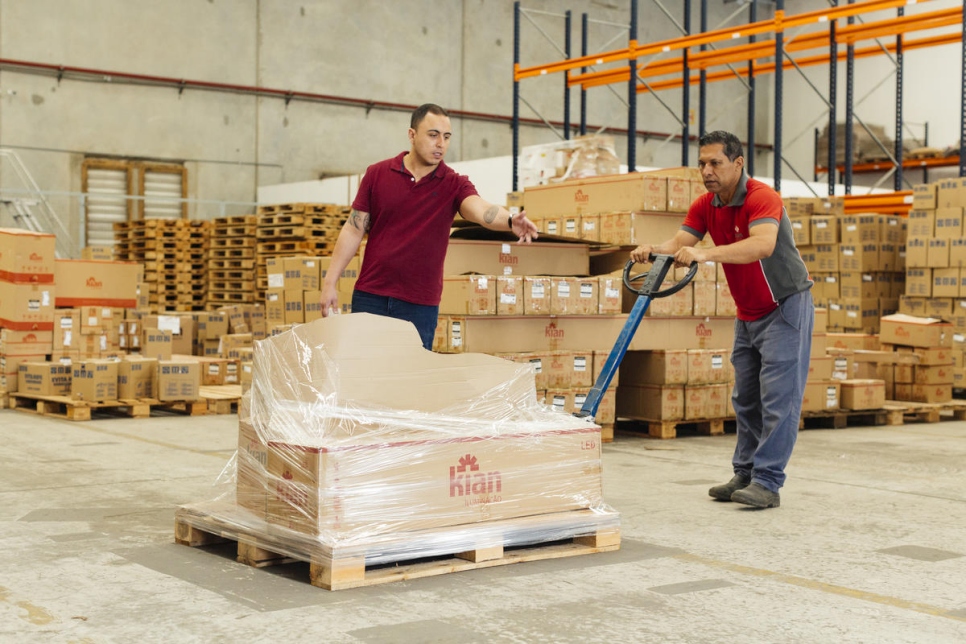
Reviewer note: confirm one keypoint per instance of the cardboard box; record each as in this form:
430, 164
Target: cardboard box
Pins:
96, 283
504, 258
703, 402
537, 295
294, 306
135, 377
44, 378
177, 381
180, 326
949, 223
821, 396
801, 230
102, 253
210, 326
94, 380
609, 294
590, 228
26, 257
924, 196
709, 366
862, 394
251, 489
564, 296
911, 331
659, 367
24, 343
924, 393
156, 344
825, 230
509, 295
468, 295
233, 345
635, 191
301, 273
650, 402
26, 307
558, 369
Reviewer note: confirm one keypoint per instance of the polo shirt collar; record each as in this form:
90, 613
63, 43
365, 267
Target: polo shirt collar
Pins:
740, 193
400, 166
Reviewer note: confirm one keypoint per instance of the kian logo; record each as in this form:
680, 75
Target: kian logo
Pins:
551, 331
34, 257
580, 197
92, 282
702, 331
467, 480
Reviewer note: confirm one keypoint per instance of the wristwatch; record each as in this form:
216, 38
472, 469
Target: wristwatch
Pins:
509, 222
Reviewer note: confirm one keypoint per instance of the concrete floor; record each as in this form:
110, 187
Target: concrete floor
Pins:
868, 546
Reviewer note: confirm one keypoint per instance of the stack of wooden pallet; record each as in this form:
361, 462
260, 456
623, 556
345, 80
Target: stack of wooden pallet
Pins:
231, 262
173, 252
287, 230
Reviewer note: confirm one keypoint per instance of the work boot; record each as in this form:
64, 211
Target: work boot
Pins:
724, 492
757, 496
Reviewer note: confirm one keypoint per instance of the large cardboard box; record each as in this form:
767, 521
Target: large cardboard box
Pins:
911, 331
25, 343
469, 295
626, 228
504, 258
135, 377
862, 394
322, 466
181, 326
709, 366
659, 367
27, 307
94, 380
821, 396
178, 380
44, 378
509, 295
537, 295
156, 344
610, 193
301, 273
26, 257
650, 402
83, 282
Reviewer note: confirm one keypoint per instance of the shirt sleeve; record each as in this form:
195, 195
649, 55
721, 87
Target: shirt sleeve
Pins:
696, 222
464, 189
362, 202
764, 204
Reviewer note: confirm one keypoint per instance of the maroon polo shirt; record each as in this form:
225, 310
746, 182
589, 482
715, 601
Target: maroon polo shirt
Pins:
409, 227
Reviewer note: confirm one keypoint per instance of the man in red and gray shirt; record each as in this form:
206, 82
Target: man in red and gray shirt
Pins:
773, 333
406, 206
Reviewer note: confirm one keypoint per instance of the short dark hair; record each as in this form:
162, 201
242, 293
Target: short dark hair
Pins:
420, 113
732, 146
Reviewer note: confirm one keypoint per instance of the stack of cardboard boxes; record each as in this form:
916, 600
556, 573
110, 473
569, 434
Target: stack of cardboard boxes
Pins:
294, 293
27, 295
856, 261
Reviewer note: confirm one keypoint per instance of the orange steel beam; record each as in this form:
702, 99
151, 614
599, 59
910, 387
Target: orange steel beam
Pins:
607, 77
878, 166
892, 203
781, 22
896, 26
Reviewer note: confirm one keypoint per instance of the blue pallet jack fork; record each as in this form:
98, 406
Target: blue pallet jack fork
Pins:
647, 291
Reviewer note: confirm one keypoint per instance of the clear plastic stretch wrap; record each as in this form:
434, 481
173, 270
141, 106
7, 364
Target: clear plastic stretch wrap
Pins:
355, 441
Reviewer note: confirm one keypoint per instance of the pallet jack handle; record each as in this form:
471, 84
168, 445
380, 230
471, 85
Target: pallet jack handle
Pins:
650, 283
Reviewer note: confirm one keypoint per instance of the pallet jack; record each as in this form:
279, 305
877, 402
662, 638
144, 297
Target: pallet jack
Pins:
647, 291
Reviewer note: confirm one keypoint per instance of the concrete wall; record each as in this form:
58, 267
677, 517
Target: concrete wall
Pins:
457, 53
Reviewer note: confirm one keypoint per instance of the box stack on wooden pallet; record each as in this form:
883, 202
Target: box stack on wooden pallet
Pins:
174, 253
231, 261
286, 230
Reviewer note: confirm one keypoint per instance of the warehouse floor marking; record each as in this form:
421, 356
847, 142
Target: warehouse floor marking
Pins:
811, 584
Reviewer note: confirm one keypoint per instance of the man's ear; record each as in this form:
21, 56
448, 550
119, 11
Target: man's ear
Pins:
412, 135
740, 162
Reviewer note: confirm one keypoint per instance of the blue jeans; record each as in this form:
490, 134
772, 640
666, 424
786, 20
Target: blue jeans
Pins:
771, 357
423, 317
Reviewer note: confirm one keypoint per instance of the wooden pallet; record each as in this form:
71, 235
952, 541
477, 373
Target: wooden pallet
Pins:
893, 412
391, 558
70, 409
665, 429
221, 399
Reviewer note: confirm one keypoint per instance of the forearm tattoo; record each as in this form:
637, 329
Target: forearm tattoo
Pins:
490, 215
359, 220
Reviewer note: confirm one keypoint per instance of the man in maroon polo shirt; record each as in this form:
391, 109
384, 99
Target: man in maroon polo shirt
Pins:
406, 206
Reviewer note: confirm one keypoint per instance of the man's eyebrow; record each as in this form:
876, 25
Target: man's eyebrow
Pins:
439, 132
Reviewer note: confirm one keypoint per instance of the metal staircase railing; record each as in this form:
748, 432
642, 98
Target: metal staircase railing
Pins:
34, 212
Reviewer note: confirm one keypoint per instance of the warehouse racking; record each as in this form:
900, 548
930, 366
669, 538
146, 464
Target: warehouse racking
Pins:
642, 78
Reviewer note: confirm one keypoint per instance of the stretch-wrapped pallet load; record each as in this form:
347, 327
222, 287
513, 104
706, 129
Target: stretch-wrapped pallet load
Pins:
355, 443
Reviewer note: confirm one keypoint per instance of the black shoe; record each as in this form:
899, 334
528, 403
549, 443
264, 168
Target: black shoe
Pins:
757, 496
724, 492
